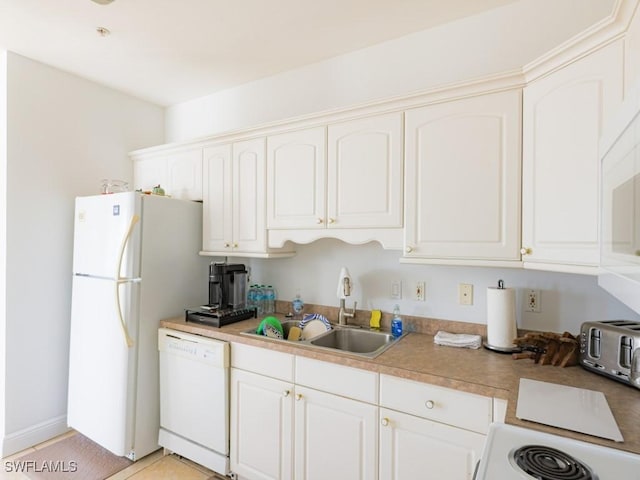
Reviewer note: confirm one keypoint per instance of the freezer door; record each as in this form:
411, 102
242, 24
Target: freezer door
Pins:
102, 372
104, 227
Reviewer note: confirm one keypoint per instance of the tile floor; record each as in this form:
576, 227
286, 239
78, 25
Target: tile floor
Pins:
155, 466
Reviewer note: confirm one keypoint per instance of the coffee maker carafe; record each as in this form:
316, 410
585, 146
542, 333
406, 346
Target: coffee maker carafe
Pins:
227, 286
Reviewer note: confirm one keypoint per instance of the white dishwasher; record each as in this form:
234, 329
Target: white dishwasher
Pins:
194, 398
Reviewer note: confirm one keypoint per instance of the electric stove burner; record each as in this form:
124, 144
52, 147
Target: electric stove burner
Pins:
546, 463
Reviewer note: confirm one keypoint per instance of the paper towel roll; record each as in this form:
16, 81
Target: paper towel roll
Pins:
501, 317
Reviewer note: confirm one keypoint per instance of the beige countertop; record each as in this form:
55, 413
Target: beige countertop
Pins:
417, 357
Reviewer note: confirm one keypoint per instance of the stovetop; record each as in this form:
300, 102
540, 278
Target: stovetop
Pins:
510, 452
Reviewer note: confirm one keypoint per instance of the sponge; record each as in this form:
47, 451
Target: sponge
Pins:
374, 322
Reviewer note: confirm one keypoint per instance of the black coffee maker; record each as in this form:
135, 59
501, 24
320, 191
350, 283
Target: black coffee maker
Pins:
227, 297
227, 286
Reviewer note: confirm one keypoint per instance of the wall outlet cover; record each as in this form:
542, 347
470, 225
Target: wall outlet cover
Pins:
465, 294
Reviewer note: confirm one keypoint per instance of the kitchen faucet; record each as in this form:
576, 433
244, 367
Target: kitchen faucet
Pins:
344, 290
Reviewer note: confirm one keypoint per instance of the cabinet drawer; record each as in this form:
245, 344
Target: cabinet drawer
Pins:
464, 410
345, 381
263, 361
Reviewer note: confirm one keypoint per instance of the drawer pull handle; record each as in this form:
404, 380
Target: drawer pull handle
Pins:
429, 404
286, 393
299, 397
384, 421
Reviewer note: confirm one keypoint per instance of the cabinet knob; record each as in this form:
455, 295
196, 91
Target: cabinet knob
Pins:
235, 245
226, 245
332, 220
319, 221
408, 249
526, 251
384, 422
429, 404
286, 393
298, 397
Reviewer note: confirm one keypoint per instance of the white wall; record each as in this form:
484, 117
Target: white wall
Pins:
499, 40
65, 134
566, 300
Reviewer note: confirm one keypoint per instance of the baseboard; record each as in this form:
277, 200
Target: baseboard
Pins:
28, 437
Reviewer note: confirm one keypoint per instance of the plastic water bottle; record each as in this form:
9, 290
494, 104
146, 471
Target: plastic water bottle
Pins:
251, 297
396, 323
269, 300
298, 306
260, 299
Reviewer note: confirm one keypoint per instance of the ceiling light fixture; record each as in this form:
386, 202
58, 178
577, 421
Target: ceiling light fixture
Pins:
102, 2
103, 32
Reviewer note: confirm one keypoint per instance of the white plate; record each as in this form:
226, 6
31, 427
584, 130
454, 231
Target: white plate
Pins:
313, 328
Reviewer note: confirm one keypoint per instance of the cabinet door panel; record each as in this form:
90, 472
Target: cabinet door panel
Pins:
249, 169
149, 172
217, 201
411, 447
296, 179
563, 117
185, 174
365, 168
463, 178
335, 437
261, 427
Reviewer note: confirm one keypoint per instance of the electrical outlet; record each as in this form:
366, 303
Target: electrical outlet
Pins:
420, 294
532, 301
465, 294
396, 290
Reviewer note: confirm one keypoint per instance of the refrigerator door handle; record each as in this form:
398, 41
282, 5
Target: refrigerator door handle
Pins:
134, 220
123, 325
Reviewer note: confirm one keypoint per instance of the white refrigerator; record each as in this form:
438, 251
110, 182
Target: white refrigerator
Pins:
135, 262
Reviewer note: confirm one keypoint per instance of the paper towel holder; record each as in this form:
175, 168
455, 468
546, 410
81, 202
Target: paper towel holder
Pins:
500, 349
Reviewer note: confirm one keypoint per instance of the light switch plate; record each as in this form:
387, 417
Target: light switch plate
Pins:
396, 290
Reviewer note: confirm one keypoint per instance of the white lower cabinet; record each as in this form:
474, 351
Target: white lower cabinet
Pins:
335, 437
413, 447
321, 420
261, 426
429, 431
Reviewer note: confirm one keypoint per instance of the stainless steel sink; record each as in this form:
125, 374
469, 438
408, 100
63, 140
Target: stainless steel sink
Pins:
360, 341
353, 340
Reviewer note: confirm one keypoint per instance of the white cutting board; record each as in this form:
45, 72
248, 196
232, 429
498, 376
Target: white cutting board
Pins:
577, 409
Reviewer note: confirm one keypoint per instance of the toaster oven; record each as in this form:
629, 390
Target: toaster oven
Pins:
612, 348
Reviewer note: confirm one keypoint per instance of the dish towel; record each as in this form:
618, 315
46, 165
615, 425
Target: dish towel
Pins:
461, 340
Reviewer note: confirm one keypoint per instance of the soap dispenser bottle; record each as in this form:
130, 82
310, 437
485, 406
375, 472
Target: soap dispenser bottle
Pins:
396, 323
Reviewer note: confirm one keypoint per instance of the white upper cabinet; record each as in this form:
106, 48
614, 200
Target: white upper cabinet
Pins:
632, 54
234, 199
217, 228
365, 173
463, 180
342, 181
184, 174
179, 173
563, 115
296, 179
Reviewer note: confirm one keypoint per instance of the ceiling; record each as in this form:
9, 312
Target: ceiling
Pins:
170, 51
